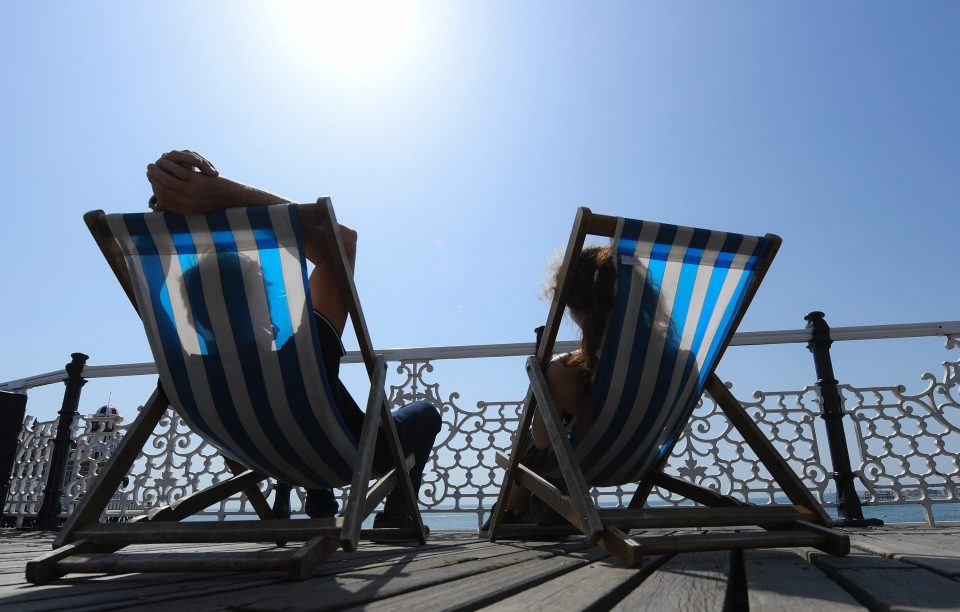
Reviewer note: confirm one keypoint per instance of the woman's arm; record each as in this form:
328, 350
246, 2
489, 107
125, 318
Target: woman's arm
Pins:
562, 380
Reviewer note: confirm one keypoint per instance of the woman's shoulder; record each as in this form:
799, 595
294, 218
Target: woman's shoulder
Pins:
565, 358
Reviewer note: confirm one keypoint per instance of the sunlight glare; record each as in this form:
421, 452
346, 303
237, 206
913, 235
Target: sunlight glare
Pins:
361, 43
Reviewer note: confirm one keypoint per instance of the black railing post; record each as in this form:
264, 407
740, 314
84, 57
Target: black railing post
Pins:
13, 407
849, 511
48, 515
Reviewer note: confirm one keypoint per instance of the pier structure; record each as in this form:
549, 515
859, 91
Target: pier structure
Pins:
851, 446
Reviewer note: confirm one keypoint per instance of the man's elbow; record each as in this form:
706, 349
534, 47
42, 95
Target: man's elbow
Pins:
348, 236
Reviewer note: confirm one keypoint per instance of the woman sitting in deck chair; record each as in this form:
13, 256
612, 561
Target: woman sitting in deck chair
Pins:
570, 375
185, 182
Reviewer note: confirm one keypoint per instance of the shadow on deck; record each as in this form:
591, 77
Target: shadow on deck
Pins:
889, 567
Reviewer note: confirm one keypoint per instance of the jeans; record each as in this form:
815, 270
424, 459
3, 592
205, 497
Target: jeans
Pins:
417, 427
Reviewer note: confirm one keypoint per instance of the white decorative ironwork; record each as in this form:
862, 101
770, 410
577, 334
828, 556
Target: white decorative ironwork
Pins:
907, 445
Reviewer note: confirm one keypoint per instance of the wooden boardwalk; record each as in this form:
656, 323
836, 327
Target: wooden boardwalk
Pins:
895, 568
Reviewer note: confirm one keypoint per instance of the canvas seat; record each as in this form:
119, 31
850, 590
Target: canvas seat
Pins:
681, 292
225, 304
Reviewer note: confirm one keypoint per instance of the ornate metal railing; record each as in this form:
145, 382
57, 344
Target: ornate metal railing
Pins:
904, 447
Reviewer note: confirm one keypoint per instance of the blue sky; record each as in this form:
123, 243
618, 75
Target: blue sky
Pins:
458, 139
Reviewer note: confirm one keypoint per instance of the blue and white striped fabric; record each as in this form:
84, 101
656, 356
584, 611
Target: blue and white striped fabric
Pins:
679, 291
225, 304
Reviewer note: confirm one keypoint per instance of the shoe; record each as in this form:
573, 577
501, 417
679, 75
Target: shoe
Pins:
510, 517
320, 503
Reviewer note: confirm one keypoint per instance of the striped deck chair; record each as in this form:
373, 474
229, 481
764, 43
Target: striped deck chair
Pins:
225, 303
681, 293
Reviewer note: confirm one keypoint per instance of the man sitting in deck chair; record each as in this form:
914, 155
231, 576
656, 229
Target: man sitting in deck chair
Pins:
657, 309
242, 359
187, 183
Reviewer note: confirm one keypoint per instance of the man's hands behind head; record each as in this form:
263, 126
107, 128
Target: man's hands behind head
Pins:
186, 182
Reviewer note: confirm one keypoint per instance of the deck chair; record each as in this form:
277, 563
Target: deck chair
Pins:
681, 293
225, 303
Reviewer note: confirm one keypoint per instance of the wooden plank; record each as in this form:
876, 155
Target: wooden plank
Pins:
679, 518
834, 541
125, 591
622, 546
47, 567
470, 593
96, 592
360, 588
884, 584
306, 560
227, 531
727, 541
696, 581
176, 562
596, 586
781, 581
928, 553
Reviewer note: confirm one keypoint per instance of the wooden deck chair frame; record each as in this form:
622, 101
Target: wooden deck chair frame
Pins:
84, 545
803, 523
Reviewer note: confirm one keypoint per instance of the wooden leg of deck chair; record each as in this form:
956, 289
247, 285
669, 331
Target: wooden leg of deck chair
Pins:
380, 489
576, 484
326, 219
195, 502
254, 495
765, 451
622, 546
44, 568
562, 504
356, 510
406, 486
251, 490
837, 542
581, 225
693, 492
95, 501
512, 469
305, 560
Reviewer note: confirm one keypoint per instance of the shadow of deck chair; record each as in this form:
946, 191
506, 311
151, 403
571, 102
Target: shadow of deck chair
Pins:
681, 293
225, 304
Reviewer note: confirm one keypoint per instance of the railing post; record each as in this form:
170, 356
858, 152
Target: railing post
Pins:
48, 515
849, 511
13, 407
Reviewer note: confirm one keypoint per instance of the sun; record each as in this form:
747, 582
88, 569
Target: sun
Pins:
363, 42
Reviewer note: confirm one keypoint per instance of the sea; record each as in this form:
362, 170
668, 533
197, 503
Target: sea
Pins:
446, 519
889, 513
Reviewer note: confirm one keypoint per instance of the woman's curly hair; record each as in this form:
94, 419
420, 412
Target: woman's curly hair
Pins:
589, 303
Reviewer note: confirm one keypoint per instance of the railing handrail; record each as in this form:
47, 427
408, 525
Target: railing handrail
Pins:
522, 349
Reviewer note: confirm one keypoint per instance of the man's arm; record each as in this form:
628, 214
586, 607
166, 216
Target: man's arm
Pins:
187, 183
